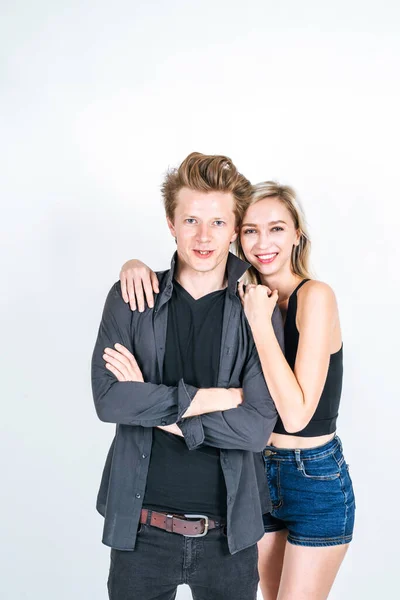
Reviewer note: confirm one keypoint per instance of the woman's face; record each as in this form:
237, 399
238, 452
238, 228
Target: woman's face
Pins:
268, 235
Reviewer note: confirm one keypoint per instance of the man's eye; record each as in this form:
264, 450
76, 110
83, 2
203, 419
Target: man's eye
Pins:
190, 221
219, 223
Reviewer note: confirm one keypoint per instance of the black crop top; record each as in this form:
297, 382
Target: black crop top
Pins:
323, 420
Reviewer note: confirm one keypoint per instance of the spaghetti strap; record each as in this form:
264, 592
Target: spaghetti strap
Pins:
299, 286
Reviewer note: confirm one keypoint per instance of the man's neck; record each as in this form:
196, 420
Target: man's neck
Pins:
199, 284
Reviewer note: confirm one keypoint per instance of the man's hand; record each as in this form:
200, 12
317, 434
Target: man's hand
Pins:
171, 429
122, 364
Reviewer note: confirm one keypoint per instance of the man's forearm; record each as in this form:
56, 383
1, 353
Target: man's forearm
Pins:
246, 428
213, 400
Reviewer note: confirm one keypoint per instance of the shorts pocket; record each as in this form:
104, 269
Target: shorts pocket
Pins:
322, 469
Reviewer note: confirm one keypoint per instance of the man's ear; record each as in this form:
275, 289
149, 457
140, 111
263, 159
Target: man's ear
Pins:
235, 235
171, 227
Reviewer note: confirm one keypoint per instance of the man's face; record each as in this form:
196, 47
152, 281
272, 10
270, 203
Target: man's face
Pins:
204, 227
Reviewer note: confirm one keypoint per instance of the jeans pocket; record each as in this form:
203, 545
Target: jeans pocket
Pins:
324, 469
142, 528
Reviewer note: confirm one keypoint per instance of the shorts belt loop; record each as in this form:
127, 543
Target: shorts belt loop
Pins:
299, 462
339, 443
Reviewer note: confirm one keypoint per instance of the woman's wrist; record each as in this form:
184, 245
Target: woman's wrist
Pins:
262, 328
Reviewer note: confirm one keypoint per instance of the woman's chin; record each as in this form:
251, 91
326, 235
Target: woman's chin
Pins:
266, 270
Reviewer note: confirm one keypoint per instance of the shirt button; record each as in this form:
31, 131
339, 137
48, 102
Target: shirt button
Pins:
144, 455
163, 422
137, 496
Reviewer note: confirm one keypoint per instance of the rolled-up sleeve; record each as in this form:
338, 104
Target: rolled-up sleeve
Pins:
249, 426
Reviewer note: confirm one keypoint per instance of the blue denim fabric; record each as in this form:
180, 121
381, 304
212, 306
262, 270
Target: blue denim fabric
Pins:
312, 494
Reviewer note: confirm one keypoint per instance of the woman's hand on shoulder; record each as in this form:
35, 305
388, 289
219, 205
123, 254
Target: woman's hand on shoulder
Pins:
258, 302
138, 282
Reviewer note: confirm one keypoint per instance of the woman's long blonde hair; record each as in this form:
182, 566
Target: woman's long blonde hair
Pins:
300, 254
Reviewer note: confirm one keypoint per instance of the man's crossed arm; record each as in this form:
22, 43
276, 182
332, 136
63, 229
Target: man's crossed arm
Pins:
127, 399
123, 365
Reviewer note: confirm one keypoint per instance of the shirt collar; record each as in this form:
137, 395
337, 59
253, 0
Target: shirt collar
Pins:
235, 268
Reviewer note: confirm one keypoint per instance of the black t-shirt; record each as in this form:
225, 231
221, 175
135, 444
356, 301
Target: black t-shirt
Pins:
179, 480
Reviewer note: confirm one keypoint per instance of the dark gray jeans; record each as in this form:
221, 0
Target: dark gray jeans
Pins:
161, 561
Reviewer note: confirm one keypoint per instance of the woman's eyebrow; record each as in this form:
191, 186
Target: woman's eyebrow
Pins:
270, 223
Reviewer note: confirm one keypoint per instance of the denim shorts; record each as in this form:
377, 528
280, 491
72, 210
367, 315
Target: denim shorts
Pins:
312, 494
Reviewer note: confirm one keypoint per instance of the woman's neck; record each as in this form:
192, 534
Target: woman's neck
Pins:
285, 283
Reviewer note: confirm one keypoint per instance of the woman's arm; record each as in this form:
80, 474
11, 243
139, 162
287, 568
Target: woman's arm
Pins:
137, 282
296, 394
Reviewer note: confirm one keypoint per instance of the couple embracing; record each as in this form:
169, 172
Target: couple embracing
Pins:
225, 469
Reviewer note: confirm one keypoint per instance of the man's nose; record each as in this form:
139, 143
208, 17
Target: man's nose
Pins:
204, 233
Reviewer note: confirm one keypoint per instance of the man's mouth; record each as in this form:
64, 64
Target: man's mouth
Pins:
266, 259
203, 253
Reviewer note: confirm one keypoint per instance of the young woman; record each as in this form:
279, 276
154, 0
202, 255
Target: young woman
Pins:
311, 524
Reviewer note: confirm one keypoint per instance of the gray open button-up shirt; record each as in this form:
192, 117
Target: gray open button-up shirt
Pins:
138, 407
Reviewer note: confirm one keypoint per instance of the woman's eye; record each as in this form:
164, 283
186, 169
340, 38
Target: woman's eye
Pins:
246, 231
277, 229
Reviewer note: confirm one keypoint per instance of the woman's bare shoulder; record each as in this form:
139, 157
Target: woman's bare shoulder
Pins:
316, 295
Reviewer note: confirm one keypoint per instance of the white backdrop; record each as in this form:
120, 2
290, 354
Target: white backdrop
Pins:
97, 100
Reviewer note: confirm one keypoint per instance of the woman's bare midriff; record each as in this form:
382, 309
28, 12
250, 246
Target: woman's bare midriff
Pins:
291, 441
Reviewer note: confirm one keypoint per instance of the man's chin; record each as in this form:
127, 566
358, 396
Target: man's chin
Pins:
203, 267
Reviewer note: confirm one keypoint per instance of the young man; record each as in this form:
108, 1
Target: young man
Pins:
182, 491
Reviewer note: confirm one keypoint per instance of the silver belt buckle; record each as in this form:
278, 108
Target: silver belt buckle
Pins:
205, 525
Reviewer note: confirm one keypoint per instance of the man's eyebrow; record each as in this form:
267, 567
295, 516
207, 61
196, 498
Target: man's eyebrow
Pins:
187, 216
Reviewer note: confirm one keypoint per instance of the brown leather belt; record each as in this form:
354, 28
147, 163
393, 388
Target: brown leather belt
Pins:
187, 525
